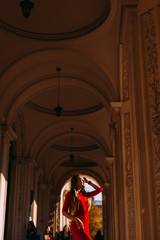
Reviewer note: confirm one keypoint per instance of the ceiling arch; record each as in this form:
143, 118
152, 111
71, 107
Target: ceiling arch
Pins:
90, 163
61, 20
85, 160
66, 112
49, 135
24, 95
91, 173
44, 62
38, 70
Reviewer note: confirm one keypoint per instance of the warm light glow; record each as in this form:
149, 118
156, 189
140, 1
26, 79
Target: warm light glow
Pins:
66, 187
3, 192
34, 212
63, 220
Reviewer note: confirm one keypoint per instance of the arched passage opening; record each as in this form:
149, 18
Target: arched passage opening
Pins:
96, 215
43, 136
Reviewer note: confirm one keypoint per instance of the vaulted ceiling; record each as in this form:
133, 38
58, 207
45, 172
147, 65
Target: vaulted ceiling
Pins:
82, 39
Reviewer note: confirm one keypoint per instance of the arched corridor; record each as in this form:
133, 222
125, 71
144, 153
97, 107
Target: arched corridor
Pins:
98, 63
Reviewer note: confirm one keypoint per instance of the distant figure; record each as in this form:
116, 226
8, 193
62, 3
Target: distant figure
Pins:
98, 236
47, 234
65, 233
51, 231
31, 231
58, 234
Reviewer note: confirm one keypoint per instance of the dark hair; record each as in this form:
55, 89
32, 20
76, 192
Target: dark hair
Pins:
99, 232
31, 223
73, 206
31, 228
74, 181
62, 236
64, 227
45, 232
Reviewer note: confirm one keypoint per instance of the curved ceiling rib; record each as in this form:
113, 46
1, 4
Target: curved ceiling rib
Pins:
65, 112
75, 149
59, 14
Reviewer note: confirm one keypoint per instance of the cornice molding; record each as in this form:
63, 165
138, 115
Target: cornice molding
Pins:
76, 164
65, 113
116, 105
59, 36
75, 149
129, 13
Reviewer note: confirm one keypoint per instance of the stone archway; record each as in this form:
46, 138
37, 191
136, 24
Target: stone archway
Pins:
38, 73
62, 221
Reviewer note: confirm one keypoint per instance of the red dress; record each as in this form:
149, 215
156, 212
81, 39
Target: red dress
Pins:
82, 214
51, 237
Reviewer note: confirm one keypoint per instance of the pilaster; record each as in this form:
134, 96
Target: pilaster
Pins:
110, 200
25, 197
150, 52
36, 174
131, 122
129, 19
118, 170
7, 135
43, 205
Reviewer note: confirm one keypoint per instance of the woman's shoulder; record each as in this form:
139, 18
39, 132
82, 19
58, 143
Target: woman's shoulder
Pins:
68, 193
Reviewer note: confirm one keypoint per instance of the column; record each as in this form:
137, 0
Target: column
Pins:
58, 213
150, 50
43, 206
131, 125
22, 190
110, 200
7, 135
118, 170
36, 174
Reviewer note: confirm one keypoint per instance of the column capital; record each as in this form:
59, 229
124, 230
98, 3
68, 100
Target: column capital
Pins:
109, 166
112, 126
2, 119
8, 131
22, 160
109, 161
38, 171
31, 162
117, 105
50, 186
107, 185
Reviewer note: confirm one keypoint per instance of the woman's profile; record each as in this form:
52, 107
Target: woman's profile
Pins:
76, 206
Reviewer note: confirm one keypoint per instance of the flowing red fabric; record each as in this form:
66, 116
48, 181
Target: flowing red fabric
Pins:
82, 214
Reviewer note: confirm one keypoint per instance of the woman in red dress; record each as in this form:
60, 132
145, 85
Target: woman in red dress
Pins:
76, 206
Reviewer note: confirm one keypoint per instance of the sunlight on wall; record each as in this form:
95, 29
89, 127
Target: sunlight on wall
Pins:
3, 189
64, 220
34, 213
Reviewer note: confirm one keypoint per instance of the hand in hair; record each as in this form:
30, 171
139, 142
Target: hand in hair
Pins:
85, 180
